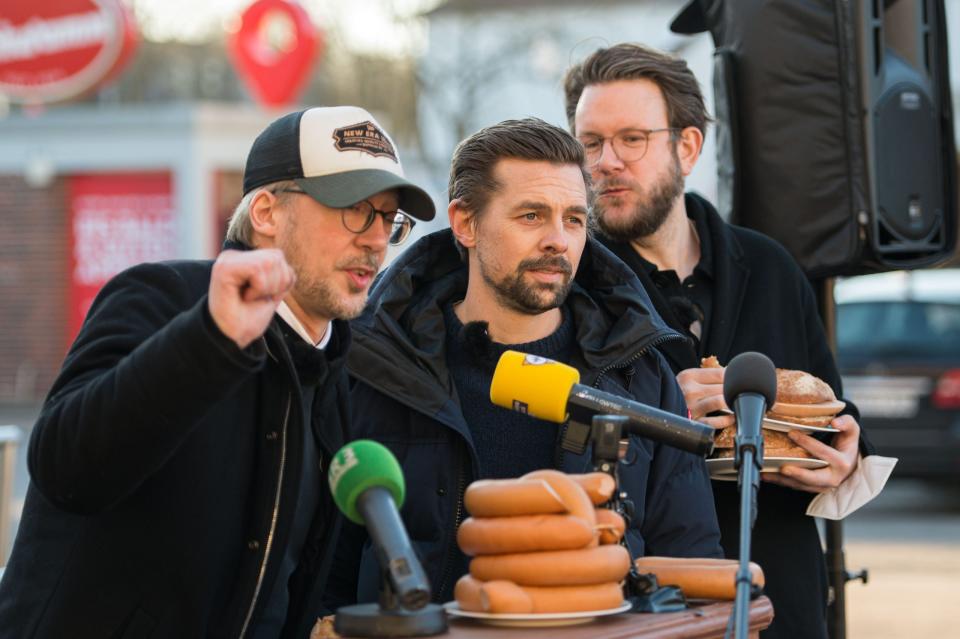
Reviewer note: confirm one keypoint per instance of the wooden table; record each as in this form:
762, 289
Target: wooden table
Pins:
701, 621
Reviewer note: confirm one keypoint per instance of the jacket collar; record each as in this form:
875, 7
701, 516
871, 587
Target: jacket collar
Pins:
731, 275
300, 359
401, 334
340, 340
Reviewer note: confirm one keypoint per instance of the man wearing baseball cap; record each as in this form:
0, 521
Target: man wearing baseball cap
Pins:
177, 467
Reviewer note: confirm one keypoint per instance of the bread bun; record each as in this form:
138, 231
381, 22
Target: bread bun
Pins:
799, 387
775, 444
725, 438
793, 452
802, 399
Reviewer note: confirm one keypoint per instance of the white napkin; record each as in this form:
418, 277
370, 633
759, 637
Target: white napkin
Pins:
860, 487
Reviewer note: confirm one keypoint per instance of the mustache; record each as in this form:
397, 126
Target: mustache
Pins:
554, 262
611, 183
368, 260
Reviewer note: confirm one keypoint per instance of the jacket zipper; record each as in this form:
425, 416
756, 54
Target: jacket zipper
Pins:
672, 337
461, 488
603, 371
273, 520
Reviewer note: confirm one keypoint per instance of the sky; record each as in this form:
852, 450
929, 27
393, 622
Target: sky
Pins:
382, 26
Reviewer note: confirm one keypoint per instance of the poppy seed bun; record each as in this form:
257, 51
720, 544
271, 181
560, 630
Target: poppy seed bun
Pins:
798, 387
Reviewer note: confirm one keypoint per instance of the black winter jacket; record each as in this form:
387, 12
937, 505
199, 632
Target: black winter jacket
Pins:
164, 469
404, 396
762, 302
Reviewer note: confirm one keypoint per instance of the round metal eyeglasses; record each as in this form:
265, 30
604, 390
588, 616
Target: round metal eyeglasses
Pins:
361, 216
629, 146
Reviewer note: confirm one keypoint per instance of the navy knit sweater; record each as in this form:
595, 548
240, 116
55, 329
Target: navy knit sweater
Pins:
508, 444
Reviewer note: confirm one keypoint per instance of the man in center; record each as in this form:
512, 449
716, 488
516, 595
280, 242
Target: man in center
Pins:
516, 270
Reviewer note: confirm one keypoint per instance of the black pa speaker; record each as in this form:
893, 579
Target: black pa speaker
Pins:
834, 128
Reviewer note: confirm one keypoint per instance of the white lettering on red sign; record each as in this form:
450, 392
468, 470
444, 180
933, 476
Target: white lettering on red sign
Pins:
114, 232
43, 37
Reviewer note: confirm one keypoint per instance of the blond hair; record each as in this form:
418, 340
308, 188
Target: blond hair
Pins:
240, 228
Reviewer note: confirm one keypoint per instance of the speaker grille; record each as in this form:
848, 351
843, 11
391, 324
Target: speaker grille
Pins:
909, 188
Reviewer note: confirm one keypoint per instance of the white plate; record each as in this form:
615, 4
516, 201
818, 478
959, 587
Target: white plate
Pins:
776, 424
783, 427
534, 620
722, 468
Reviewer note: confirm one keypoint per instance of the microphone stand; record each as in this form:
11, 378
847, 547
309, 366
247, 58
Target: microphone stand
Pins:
389, 617
642, 590
404, 608
748, 462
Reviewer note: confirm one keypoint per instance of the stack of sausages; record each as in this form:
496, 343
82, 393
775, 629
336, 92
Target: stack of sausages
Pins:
540, 545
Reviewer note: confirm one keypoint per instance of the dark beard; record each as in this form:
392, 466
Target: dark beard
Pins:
650, 213
514, 293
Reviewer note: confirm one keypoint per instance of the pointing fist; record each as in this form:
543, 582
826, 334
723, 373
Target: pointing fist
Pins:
245, 289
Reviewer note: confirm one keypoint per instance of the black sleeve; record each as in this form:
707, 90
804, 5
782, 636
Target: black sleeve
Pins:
341, 586
680, 518
146, 367
820, 357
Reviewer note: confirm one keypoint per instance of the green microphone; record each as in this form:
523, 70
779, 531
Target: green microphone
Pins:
367, 484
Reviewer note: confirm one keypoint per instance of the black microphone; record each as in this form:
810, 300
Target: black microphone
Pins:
544, 388
749, 386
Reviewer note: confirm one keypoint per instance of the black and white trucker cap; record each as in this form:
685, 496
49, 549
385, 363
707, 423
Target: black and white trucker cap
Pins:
338, 155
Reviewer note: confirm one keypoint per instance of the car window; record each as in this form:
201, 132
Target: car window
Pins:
910, 328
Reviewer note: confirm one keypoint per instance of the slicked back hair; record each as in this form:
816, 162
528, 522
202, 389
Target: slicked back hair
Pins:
471, 169
627, 61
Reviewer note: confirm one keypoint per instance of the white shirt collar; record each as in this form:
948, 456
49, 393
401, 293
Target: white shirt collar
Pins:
287, 316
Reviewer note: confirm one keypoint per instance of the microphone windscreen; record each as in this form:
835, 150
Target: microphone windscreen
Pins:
750, 372
360, 465
533, 385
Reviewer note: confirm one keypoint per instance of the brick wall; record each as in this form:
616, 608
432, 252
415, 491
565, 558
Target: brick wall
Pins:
33, 287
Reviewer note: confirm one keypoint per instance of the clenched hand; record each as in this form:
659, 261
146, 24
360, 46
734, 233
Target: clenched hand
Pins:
245, 289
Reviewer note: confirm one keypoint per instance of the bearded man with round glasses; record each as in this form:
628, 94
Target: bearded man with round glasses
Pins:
177, 485
640, 115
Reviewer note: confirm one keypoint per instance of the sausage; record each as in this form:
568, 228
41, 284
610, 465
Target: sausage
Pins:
570, 598
506, 597
599, 486
610, 525
523, 533
510, 497
574, 497
467, 593
698, 578
595, 565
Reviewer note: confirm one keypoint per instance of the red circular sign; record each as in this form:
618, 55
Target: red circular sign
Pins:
274, 50
52, 51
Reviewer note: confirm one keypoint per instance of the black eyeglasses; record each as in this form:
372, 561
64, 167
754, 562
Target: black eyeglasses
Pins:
361, 216
629, 146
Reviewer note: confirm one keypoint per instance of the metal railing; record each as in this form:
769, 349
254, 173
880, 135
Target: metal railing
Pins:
10, 437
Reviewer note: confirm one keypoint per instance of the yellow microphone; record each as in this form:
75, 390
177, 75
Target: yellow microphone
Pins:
533, 385
543, 388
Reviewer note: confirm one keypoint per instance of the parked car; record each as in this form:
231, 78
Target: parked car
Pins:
898, 349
